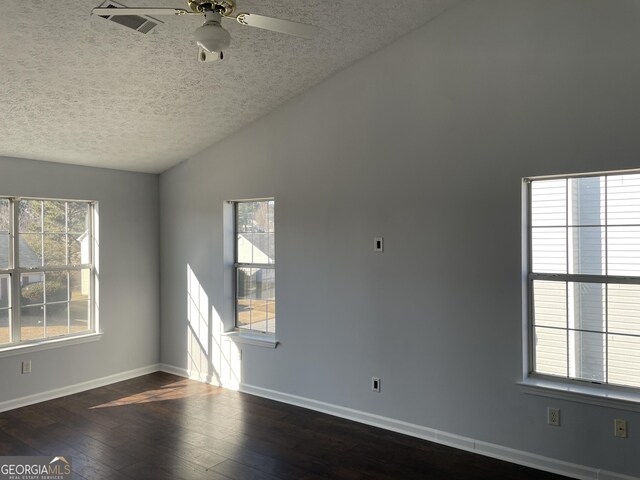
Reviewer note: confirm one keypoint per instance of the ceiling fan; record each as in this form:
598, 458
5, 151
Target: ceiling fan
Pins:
211, 38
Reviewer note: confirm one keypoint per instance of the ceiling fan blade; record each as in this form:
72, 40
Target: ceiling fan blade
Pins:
278, 25
138, 11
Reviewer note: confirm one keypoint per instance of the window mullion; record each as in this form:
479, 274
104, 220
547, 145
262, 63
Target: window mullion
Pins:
530, 298
569, 309
560, 277
42, 231
606, 333
66, 232
606, 286
44, 299
55, 268
255, 265
68, 299
92, 272
235, 263
14, 229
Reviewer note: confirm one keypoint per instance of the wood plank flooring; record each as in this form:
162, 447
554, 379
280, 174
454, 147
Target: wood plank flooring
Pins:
160, 426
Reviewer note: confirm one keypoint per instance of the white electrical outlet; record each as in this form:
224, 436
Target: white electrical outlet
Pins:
375, 384
26, 366
553, 416
378, 244
620, 428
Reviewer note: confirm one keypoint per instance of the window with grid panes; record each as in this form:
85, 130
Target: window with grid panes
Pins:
254, 266
584, 278
46, 269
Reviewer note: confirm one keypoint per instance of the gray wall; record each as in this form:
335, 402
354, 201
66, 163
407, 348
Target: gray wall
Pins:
129, 275
424, 143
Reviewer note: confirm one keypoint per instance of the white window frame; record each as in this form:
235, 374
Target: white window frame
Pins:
583, 391
15, 272
259, 335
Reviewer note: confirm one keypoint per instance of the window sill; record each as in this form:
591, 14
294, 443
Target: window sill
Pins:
48, 344
259, 340
593, 395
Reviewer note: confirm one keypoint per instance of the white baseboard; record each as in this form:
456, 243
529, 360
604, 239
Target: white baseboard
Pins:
190, 374
76, 388
464, 443
183, 372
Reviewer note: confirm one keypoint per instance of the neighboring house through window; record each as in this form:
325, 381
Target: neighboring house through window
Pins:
46, 269
254, 266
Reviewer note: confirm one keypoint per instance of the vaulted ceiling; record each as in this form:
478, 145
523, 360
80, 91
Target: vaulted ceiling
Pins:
76, 88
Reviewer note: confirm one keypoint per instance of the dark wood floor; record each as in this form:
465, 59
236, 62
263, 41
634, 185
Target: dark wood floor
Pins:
160, 426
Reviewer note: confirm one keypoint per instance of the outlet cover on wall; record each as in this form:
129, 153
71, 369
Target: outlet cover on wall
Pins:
553, 416
375, 384
26, 366
620, 428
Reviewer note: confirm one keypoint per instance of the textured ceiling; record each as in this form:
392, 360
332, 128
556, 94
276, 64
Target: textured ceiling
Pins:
76, 88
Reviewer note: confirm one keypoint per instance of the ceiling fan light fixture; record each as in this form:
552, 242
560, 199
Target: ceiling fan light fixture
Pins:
211, 36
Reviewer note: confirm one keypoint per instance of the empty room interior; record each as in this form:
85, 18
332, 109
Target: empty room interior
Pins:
286, 240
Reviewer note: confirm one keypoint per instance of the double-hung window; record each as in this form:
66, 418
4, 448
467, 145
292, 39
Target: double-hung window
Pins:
46, 269
584, 277
254, 266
